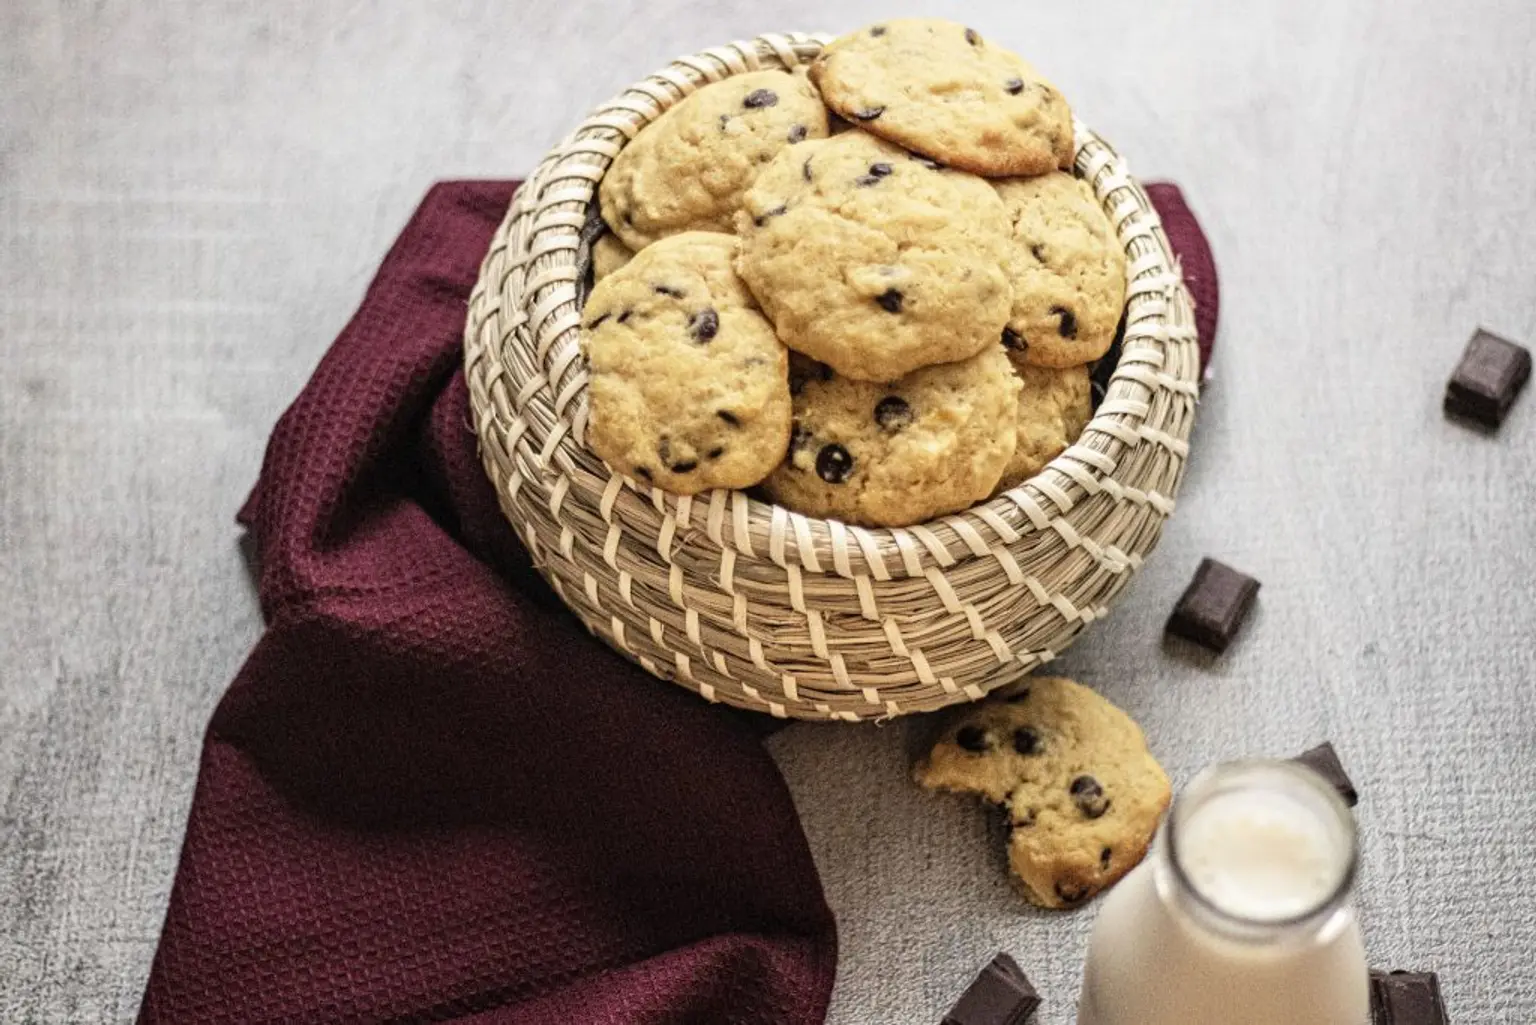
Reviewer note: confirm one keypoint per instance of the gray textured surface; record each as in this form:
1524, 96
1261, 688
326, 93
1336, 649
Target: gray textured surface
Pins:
193, 195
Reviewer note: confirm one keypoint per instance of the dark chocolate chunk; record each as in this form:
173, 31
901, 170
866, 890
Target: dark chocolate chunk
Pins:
593, 325
890, 300
1026, 741
715, 453
775, 212
973, 37
1406, 998
760, 98
1014, 86
833, 464
704, 324
667, 290
893, 413
1037, 251
1013, 340
797, 133
972, 738
1213, 606
686, 466
1068, 326
1324, 761
879, 170
1104, 857
867, 114
877, 31
805, 172
1000, 995
625, 316
728, 417
1088, 795
1490, 375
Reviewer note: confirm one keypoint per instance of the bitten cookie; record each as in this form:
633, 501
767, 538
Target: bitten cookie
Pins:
1083, 794
1067, 269
1054, 407
874, 261
687, 170
608, 255
894, 454
689, 387
941, 89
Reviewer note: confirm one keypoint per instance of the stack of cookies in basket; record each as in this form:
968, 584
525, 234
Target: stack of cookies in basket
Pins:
869, 286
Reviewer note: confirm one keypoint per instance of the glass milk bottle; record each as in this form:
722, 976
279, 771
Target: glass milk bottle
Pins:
1241, 915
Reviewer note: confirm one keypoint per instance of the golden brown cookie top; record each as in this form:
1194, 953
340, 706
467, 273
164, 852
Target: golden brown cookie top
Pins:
689, 386
940, 89
875, 261
1054, 407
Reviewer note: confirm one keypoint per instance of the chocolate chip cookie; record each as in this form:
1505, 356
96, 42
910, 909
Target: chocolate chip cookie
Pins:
688, 169
1054, 407
875, 261
933, 442
1082, 792
689, 387
942, 90
1067, 269
608, 255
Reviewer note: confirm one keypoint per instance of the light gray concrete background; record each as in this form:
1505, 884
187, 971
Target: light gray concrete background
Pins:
192, 197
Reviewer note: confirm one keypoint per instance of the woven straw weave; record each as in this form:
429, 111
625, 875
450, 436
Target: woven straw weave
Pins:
755, 605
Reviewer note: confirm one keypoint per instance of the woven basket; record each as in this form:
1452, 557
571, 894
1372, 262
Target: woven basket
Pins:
763, 608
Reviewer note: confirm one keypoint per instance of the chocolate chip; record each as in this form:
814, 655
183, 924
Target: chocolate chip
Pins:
1037, 251
593, 325
667, 290
876, 172
644, 471
1072, 893
893, 413
973, 37
973, 739
1089, 797
775, 212
1014, 86
625, 316
725, 119
760, 98
890, 300
1068, 326
1013, 340
867, 114
1104, 857
715, 453
728, 417
877, 31
805, 171
686, 466
704, 325
833, 464
797, 133
1026, 741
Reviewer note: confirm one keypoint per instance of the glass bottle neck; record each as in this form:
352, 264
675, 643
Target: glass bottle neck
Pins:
1258, 852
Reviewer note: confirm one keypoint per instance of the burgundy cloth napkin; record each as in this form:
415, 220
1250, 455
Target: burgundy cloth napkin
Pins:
429, 794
